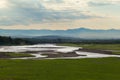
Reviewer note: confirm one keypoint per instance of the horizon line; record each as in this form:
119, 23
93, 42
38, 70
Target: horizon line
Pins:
62, 29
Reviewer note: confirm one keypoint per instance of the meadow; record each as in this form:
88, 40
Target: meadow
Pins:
76, 69
114, 48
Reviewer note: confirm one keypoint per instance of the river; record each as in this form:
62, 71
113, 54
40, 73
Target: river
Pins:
52, 51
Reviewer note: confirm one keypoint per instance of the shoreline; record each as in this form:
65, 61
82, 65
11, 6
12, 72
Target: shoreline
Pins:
54, 51
97, 51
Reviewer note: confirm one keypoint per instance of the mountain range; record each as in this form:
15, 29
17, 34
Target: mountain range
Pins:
83, 33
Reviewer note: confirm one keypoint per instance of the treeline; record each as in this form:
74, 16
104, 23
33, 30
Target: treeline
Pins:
35, 41
100, 41
82, 41
12, 41
22, 41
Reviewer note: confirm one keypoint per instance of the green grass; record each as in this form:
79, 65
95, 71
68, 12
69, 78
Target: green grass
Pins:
114, 47
20, 55
80, 69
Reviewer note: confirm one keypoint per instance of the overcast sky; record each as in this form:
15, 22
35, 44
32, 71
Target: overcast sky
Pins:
59, 14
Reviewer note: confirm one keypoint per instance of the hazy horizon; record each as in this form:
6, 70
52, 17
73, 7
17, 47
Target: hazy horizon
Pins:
59, 14
62, 29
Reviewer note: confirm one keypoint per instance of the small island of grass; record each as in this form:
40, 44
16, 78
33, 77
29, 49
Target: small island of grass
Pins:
14, 55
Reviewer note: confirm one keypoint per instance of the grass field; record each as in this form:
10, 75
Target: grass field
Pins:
81, 69
115, 48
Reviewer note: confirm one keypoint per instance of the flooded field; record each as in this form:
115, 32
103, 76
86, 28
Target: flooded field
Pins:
52, 51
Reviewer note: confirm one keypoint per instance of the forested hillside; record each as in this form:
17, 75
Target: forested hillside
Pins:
12, 41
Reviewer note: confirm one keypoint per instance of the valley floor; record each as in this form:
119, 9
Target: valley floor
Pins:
62, 69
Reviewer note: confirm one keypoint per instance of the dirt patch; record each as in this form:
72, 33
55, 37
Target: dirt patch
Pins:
96, 51
59, 54
14, 55
38, 51
4, 55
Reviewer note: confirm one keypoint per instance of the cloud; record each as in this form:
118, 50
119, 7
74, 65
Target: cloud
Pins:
3, 4
99, 3
104, 2
66, 4
38, 11
24, 12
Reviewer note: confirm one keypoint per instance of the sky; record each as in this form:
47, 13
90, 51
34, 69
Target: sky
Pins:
59, 14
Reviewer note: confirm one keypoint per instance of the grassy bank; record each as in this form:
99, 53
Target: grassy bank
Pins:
83, 69
115, 48
14, 55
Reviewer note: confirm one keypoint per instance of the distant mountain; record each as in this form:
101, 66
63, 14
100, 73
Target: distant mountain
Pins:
53, 39
83, 33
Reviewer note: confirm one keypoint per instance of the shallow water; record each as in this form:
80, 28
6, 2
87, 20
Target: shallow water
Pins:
39, 49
